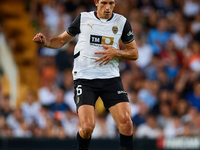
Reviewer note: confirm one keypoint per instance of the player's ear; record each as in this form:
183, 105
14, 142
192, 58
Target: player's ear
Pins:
95, 2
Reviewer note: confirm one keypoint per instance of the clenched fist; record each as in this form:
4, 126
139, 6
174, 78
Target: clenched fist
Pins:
40, 39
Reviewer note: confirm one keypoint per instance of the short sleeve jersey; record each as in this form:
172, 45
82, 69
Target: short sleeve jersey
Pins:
93, 33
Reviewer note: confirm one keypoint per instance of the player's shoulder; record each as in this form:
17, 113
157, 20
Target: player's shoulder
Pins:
91, 13
118, 18
116, 15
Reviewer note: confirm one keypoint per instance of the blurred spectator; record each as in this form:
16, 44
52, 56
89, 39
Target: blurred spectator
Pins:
191, 8
111, 127
2, 125
173, 19
14, 119
159, 36
47, 93
133, 103
148, 93
195, 24
190, 116
174, 128
169, 50
156, 64
182, 108
42, 117
134, 17
193, 58
187, 130
55, 17
138, 31
184, 83
181, 38
169, 7
58, 131
30, 108
194, 97
5, 107
165, 116
163, 99
145, 53
64, 61
141, 116
22, 130
64, 58
7, 132
71, 6
69, 90
164, 81
146, 6
174, 98
152, 20
127, 78
196, 124
100, 130
47, 53
70, 123
149, 129
58, 108
172, 67
38, 132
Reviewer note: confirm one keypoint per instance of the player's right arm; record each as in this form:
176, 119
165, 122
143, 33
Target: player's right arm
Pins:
61, 40
55, 42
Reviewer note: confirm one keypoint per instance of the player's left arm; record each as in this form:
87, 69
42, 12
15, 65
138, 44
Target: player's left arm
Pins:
130, 53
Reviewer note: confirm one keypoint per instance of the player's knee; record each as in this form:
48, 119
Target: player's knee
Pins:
87, 128
126, 123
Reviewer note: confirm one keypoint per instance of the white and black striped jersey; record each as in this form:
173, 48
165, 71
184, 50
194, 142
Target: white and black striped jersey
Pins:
93, 33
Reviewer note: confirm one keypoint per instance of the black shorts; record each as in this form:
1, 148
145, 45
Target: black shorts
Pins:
111, 91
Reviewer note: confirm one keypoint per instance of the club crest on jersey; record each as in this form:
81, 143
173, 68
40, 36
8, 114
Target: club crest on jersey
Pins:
115, 29
101, 40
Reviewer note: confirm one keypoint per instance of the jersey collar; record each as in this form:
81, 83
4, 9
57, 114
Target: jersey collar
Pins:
95, 13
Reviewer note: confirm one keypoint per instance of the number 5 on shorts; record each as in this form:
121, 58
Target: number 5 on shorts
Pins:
79, 90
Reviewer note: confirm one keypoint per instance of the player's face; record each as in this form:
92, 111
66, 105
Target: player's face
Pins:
105, 8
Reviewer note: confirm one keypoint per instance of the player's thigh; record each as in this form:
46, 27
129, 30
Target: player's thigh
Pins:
84, 95
86, 115
121, 112
114, 93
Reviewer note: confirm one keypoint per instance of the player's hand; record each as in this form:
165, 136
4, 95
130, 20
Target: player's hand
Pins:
108, 54
40, 39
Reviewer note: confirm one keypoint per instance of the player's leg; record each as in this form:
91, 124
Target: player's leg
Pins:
116, 101
85, 99
87, 121
121, 113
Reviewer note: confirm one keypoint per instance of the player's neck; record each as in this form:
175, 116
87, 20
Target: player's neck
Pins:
99, 16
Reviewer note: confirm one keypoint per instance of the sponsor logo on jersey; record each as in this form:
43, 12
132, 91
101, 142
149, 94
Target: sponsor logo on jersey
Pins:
121, 92
115, 29
90, 25
130, 33
101, 40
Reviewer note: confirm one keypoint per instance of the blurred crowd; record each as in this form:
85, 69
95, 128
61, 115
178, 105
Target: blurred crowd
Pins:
163, 85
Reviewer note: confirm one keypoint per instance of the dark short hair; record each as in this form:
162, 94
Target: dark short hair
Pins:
97, 1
